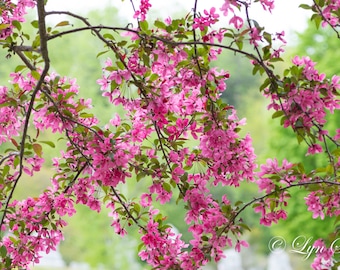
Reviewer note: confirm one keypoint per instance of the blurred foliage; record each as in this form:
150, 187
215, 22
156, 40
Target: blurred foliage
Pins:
90, 238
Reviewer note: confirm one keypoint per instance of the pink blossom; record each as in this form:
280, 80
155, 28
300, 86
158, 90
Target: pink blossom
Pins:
337, 135
314, 205
209, 18
323, 259
267, 4
239, 244
145, 200
314, 149
255, 36
143, 10
228, 6
236, 21
116, 120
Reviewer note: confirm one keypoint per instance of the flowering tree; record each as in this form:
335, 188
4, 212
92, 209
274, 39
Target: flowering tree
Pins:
177, 121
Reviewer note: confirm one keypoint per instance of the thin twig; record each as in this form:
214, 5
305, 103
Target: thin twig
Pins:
325, 19
8, 156
127, 210
25, 60
246, 205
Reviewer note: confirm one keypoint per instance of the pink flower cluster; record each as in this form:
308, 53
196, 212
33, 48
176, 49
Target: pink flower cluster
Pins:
13, 12
267, 4
204, 217
162, 250
232, 160
176, 137
10, 122
209, 18
143, 10
229, 6
320, 206
59, 120
329, 12
307, 98
31, 231
271, 178
324, 256
172, 104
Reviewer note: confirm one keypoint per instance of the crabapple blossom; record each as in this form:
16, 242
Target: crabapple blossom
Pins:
177, 137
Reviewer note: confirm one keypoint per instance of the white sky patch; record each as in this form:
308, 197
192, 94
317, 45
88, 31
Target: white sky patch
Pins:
286, 16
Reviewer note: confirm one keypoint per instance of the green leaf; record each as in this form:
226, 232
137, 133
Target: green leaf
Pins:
146, 60
19, 68
86, 115
37, 148
136, 207
35, 24
153, 77
67, 113
277, 114
267, 37
101, 53
276, 60
62, 23
120, 65
4, 26
80, 107
35, 74
272, 205
140, 176
336, 152
3, 251
317, 20
126, 126
144, 26
140, 246
238, 203
301, 168
17, 25
305, 6
166, 187
69, 94
204, 238
48, 143
8, 263
108, 36
5, 170
244, 226
160, 24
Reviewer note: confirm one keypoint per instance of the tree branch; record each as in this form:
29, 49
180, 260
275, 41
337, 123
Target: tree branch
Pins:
325, 19
44, 52
232, 221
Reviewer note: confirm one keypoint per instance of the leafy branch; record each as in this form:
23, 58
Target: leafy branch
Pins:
44, 52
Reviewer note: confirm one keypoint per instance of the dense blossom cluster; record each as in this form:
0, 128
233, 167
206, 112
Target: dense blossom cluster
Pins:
175, 137
324, 256
12, 12
209, 18
143, 10
305, 105
329, 13
10, 122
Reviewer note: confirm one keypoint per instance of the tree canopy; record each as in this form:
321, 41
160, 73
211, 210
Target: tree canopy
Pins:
164, 127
